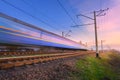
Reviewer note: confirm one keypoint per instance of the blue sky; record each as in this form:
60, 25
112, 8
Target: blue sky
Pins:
51, 12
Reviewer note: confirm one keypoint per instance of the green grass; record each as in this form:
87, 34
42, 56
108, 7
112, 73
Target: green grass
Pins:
91, 68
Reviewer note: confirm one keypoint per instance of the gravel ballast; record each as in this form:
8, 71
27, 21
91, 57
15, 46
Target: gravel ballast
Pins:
53, 70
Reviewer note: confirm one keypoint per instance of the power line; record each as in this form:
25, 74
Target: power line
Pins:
96, 14
29, 14
80, 24
25, 2
66, 12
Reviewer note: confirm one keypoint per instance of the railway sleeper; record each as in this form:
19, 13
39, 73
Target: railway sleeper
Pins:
28, 62
18, 63
6, 66
15, 62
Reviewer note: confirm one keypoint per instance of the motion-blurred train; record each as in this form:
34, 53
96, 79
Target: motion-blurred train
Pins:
14, 34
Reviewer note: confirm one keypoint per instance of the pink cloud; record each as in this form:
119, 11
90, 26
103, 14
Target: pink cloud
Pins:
108, 26
112, 18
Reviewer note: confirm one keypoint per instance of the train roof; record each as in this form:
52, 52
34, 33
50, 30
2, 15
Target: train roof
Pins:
30, 25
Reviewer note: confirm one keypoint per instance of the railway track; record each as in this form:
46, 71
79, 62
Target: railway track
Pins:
9, 62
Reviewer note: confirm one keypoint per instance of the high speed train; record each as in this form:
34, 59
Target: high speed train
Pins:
17, 32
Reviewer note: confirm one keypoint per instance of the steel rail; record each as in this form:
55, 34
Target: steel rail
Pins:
9, 62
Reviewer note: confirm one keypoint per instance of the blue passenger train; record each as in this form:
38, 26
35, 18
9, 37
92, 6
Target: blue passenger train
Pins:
17, 32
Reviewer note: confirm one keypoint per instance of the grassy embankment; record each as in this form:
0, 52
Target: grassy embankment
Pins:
91, 68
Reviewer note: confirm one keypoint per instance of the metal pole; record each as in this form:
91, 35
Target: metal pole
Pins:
102, 45
96, 39
86, 44
62, 34
100, 13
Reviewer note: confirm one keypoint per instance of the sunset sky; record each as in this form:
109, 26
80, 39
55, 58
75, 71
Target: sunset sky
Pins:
53, 14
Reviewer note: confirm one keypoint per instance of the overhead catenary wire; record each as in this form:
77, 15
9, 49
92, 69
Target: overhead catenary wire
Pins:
29, 14
66, 12
61, 5
25, 2
41, 13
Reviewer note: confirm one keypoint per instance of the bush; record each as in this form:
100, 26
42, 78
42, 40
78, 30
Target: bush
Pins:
91, 68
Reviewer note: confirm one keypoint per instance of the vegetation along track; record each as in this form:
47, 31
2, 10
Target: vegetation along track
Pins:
9, 62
